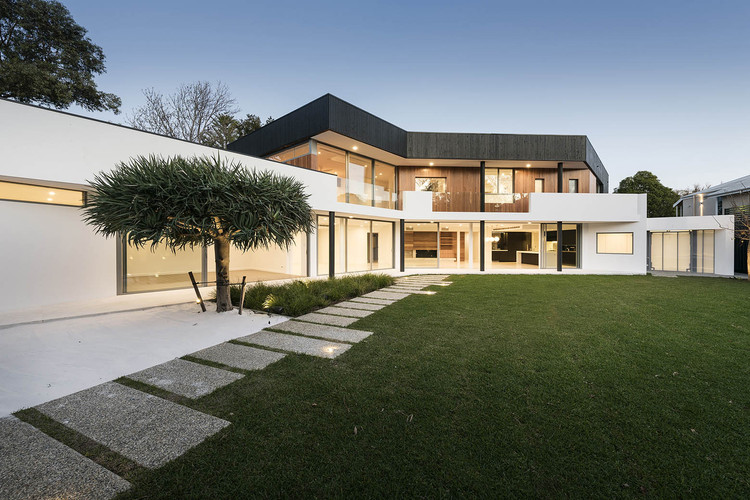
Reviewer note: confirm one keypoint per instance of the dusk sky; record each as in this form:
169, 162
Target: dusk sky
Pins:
658, 85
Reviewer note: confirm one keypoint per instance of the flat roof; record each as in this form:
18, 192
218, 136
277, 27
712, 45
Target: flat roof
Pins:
329, 113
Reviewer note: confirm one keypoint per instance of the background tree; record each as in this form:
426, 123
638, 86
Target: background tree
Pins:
186, 114
694, 189
46, 58
660, 197
250, 123
223, 130
187, 202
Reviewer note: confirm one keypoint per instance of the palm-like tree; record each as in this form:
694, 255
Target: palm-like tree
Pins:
187, 202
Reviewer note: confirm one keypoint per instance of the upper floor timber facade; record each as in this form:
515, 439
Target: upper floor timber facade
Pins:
376, 162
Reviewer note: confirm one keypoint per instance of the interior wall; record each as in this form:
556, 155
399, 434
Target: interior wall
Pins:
50, 256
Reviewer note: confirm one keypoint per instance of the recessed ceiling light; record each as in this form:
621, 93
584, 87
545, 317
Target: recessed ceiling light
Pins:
528, 165
355, 148
432, 163
52, 193
49, 199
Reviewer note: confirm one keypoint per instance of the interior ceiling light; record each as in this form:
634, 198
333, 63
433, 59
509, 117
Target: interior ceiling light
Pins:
432, 163
528, 165
355, 148
52, 193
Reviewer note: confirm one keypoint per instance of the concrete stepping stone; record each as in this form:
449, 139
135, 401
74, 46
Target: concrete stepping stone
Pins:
186, 378
345, 311
144, 428
369, 300
323, 331
239, 356
34, 465
360, 305
385, 295
409, 292
296, 344
327, 319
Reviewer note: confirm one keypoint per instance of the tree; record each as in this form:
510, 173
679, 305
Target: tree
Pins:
660, 197
46, 58
223, 130
251, 123
187, 202
186, 114
694, 189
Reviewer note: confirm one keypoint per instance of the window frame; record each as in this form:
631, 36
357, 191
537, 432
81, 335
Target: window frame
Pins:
632, 243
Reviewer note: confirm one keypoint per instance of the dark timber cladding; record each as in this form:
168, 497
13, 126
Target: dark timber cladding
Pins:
331, 113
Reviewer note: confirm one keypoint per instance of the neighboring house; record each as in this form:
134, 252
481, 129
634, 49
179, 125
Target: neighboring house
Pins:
386, 200
724, 199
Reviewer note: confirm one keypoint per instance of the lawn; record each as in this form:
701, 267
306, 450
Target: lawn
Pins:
498, 386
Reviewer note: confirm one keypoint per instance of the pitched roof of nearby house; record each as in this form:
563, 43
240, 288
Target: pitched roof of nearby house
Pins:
734, 186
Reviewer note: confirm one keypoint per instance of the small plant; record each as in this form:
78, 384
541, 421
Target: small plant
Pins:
303, 296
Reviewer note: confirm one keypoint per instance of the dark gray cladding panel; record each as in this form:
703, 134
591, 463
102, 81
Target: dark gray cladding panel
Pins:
290, 129
496, 146
596, 165
353, 122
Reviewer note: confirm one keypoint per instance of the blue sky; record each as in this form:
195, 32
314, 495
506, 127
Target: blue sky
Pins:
659, 85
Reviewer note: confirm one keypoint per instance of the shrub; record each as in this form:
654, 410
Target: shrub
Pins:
303, 296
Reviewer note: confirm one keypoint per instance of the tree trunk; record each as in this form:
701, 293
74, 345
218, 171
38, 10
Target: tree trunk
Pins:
221, 253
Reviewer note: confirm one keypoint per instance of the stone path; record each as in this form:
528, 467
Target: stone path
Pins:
186, 378
33, 465
144, 428
152, 431
239, 356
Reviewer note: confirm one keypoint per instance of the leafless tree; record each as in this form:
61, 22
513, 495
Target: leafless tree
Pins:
187, 114
696, 187
738, 204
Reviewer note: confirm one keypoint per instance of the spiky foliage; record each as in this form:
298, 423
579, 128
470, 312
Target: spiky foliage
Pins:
184, 202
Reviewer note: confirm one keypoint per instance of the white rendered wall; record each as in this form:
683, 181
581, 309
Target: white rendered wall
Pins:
594, 262
38, 143
49, 256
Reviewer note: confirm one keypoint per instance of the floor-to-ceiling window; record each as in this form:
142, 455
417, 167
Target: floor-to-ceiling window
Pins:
682, 251
420, 244
511, 245
159, 268
360, 180
567, 243
385, 185
333, 161
360, 245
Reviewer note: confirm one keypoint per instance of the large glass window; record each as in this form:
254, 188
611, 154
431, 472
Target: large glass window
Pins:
361, 245
333, 161
615, 243
159, 268
682, 251
511, 246
420, 244
566, 243
264, 264
360, 180
498, 185
385, 185
15, 191
298, 156
572, 185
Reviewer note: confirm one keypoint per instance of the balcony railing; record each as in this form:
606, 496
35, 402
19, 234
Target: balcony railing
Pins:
471, 202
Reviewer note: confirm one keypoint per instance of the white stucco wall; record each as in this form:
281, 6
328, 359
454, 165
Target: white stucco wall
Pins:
49, 256
591, 261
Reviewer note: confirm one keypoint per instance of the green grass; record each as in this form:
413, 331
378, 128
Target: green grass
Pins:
498, 386
303, 296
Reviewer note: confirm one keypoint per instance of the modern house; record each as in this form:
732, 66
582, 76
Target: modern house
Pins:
386, 199
728, 198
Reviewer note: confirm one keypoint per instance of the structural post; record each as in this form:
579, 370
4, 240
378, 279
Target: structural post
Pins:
481, 245
331, 244
559, 244
481, 187
560, 177
401, 245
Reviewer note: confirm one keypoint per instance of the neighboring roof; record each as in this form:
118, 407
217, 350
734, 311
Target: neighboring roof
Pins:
739, 185
331, 113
